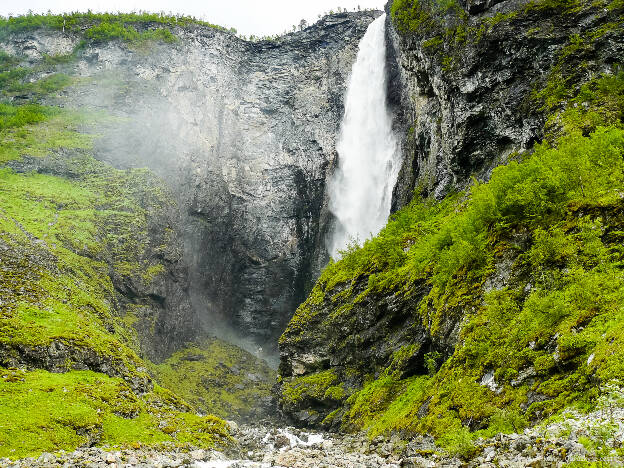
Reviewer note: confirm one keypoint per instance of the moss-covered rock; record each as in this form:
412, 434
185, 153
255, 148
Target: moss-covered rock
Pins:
91, 283
498, 306
221, 379
48, 412
469, 72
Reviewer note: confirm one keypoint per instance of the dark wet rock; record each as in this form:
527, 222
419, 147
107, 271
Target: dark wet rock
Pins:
462, 118
244, 133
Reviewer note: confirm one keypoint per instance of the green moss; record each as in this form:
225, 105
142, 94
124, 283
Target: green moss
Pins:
448, 34
19, 116
563, 305
129, 27
42, 87
432, 43
335, 392
152, 272
558, 6
218, 378
63, 242
616, 5
45, 412
35, 130
576, 97
444, 28
311, 386
330, 418
384, 402
75, 289
142, 429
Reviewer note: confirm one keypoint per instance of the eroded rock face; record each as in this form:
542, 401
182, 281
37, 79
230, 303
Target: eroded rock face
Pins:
463, 110
464, 115
245, 135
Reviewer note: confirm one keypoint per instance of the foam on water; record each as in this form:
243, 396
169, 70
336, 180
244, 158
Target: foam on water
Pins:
360, 190
309, 440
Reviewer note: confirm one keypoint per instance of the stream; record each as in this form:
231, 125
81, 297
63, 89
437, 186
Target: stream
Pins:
264, 447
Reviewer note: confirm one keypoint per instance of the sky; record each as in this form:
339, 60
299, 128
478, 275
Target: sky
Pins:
257, 17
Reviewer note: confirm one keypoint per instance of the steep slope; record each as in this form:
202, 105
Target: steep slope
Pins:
221, 379
501, 304
83, 274
468, 73
93, 284
242, 132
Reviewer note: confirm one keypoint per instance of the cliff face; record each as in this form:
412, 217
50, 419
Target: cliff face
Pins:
413, 331
467, 85
244, 135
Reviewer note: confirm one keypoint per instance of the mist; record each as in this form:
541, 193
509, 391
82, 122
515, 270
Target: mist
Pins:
360, 191
226, 124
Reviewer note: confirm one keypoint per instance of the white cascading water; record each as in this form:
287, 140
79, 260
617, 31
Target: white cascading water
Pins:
360, 191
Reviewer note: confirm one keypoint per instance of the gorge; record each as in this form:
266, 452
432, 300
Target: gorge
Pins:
171, 195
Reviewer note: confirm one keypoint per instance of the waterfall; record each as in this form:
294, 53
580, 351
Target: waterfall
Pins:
360, 190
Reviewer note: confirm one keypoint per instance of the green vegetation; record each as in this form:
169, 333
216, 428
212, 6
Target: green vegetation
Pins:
19, 116
36, 130
41, 87
45, 412
63, 239
530, 264
566, 202
109, 31
79, 228
129, 27
33, 83
218, 378
444, 29
318, 386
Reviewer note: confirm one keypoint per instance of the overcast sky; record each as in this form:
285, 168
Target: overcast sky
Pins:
259, 17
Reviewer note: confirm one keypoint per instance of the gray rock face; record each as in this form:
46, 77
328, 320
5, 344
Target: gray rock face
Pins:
462, 118
465, 118
245, 135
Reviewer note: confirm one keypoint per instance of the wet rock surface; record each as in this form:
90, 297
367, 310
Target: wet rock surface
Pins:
465, 112
244, 133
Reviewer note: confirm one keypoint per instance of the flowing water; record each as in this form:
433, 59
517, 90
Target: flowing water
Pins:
264, 447
360, 194
360, 191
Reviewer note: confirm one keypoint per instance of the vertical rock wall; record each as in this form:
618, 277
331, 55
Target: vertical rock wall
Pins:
244, 133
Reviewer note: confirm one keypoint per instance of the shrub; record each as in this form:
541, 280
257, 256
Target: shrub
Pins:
18, 116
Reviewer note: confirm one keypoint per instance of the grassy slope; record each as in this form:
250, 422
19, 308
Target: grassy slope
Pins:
555, 332
64, 234
134, 28
46, 412
219, 378
59, 239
